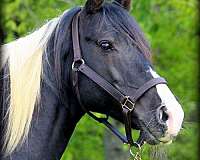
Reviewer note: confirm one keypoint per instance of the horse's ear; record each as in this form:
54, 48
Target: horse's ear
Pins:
124, 3
92, 6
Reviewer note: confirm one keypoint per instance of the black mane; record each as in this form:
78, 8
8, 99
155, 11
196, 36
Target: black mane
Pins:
59, 45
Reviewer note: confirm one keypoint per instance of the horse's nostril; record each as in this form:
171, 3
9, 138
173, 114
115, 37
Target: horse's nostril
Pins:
162, 114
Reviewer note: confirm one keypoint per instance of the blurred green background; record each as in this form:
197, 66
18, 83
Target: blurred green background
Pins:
171, 28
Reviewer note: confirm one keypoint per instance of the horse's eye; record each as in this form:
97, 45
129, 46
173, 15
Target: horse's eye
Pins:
105, 45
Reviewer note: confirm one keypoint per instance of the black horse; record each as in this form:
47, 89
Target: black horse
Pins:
43, 102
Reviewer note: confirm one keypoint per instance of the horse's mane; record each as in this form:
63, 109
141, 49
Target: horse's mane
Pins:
24, 59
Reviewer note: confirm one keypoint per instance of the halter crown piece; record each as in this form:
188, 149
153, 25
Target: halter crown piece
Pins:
127, 103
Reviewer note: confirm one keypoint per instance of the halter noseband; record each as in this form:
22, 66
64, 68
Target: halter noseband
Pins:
127, 103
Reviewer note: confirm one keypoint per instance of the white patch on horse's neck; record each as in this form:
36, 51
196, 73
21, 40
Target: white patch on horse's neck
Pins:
174, 109
24, 57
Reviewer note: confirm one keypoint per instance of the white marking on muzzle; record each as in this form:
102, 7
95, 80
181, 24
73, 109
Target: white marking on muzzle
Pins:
174, 109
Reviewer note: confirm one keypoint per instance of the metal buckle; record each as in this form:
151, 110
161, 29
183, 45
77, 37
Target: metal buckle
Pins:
128, 104
77, 64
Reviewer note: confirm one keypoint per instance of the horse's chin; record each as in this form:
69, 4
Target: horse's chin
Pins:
147, 137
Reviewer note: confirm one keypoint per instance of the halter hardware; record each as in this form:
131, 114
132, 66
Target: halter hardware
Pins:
77, 64
127, 103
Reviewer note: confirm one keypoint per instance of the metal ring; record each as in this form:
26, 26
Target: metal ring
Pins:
137, 145
80, 61
131, 152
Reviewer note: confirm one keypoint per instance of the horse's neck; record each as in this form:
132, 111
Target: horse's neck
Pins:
54, 119
52, 126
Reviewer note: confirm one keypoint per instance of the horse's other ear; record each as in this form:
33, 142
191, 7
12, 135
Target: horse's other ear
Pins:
126, 4
92, 6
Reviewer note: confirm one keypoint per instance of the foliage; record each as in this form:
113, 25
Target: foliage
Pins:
170, 28
86, 143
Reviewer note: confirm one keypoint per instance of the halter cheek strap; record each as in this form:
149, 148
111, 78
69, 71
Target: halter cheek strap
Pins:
127, 103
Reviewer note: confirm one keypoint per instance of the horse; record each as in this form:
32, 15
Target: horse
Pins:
90, 59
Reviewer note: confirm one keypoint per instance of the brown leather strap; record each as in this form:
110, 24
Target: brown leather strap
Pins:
127, 103
151, 83
128, 129
75, 39
100, 120
90, 73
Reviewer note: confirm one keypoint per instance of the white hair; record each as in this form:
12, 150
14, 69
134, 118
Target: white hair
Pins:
24, 57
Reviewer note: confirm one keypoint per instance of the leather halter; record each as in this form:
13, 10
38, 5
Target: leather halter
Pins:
126, 102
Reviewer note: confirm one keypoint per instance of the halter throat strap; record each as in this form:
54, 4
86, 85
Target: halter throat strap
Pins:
127, 103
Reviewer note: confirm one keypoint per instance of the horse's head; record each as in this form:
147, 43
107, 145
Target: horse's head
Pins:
113, 46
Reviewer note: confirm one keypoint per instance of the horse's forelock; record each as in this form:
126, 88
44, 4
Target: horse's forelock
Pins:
123, 22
